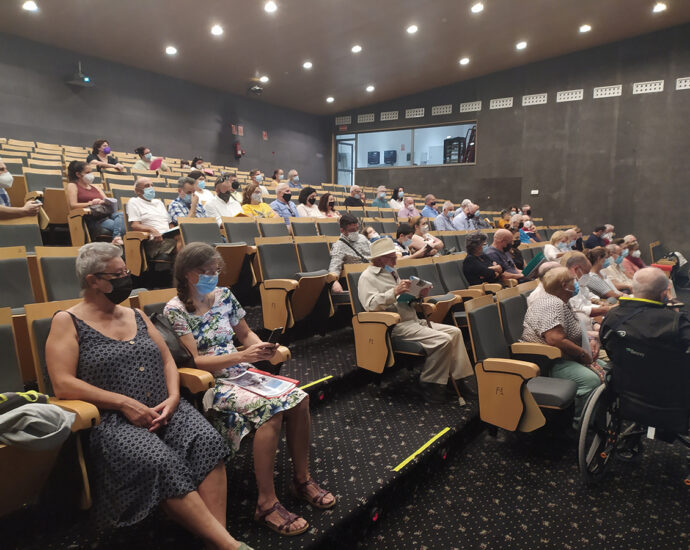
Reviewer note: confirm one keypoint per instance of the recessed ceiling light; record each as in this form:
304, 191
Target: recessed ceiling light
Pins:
307, 65
464, 61
370, 88
271, 6
264, 79
412, 29
477, 7
448, 137
585, 28
30, 6
356, 48
659, 7
330, 99
171, 50
521, 45
216, 30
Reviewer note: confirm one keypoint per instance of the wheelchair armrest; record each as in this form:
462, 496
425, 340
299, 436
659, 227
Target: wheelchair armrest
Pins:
195, 380
281, 284
87, 414
524, 369
387, 318
529, 348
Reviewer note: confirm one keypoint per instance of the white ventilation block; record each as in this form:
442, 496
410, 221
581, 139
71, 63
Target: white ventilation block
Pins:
607, 91
363, 119
442, 110
651, 87
414, 113
343, 120
683, 83
471, 106
389, 115
534, 99
501, 103
570, 95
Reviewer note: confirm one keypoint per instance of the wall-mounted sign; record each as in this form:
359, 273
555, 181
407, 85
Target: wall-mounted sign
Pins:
240, 130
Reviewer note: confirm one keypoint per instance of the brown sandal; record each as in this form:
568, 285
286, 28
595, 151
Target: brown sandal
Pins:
300, 491
288, 517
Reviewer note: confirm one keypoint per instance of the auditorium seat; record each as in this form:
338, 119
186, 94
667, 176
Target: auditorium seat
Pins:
304, 227
389, 226
373, 222
204, 230
37, 179
22, 231
387, 213
16, 289
328, 227
313, 253
273, 227
241, 229
10, 375
57, 272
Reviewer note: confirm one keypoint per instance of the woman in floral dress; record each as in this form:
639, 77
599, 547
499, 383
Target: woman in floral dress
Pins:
206, 317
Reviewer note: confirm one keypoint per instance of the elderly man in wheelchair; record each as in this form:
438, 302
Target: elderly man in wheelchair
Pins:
647, 392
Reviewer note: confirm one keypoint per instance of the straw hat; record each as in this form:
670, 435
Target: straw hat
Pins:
382, 247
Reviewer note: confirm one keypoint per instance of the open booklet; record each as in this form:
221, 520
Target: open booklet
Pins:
416, 287
263, 384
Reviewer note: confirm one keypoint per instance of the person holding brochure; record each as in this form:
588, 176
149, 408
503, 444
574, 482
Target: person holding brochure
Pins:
206, 318
147, 213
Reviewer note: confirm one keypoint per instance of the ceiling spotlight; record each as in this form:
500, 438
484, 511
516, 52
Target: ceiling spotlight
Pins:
216, 30
585, 28
521, 45
477, 7
30, 6
171, 50
271, 6
412, 29
263, 79
307, 65
464, 61
330, 99
370, 88
356, 48
658, 7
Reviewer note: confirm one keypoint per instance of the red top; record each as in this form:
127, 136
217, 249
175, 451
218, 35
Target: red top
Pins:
87, 195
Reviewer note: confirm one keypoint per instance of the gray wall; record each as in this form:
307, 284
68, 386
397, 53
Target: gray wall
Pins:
622, 160
132, 107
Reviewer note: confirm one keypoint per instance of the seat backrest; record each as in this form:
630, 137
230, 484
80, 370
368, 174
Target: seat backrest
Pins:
527, 253
57, 270
278, 260
10, 374
38, 179
389, 226
304, 227
200, 230
20, 232
376, 224
120, 191
329, 228
386, 213
429, 272
450, 273
512, 308
485, 329
314, 255
273, 228
241, 230
15, 290
153, 301
353, 272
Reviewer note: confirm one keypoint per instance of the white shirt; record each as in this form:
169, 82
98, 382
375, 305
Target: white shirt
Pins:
309, 211
218, 208
149, 213
396, 205
204, 196
551, 252
536, 294
264, 191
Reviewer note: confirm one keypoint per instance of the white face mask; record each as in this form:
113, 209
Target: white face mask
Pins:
6, 180
256, 197
88, 178
352, 236
425, 228
636, 254
608, 236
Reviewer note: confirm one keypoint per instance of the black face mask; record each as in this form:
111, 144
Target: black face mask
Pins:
507, 247
520, 225
224, 196
432, 203
122, 288
311, 200
287, 197
528, 212
470, 216
331, 204
235, 185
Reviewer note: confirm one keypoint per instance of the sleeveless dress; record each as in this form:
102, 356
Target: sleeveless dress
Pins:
131, 469
239, 410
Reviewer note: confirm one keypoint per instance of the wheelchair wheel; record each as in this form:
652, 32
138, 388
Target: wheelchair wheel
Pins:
598, 435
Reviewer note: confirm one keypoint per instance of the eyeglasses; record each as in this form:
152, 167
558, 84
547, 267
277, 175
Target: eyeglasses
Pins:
211, 272
116, 274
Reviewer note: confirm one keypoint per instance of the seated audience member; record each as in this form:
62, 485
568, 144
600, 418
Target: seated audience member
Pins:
307, 207
396, 202
614, 272
236, 192
572, 236
429, 210
444, 221
528, 231
539, 291
81, 193
185, 165
595, 238
585, 304
550, 320
469, 219
223, 204
187, 204
8, 211
327, 206
197, 164
595, 281
147, 213
380, 201
371, 234
356, 197
206, 318
200, 186
514, 251
633, 261
252, 203
101, 159
422, 239
151, 447
499, 252
293, 179
557, 246
504, 221
378, 289
463, 205
609, 233
527, 211
477, 267
283, 206
257, 177
351, 248
514, 210
408, 210
145, 160
278, 174
403, 241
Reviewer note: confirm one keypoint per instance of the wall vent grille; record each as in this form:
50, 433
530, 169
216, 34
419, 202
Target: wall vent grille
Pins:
570, 95
389, 115
607, 91
414, 113
534, 99
343, 120
501, 103
368, 117
471, 106
437, 110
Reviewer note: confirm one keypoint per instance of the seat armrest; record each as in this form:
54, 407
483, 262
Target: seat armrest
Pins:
511, 283
79, 212
493, 287
137, 235
87, 414
280, 284
281, 355
195, 380
477, 287
251, 249
529, 348
449, 298
426, 308
525, 369
388, 318
468, 293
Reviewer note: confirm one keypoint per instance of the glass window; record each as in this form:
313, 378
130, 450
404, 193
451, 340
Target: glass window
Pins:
392, 148
444, 145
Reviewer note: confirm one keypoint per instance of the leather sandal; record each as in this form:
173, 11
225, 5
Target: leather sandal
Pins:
299, 490
288, 519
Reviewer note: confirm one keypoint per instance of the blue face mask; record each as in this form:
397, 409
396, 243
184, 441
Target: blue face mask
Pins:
572, 243
619, 260
401, 195
389, 269
576, 288
148, 156
562, 246
607, 263
187, 200
485, 248
624, 253
206, 284
407, 243
477, 214
295, 179
149, 193
201, 184
259, 178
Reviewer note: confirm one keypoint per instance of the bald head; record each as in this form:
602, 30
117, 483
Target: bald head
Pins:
140, 184
577, 263
502, 238
650, 283
546, 267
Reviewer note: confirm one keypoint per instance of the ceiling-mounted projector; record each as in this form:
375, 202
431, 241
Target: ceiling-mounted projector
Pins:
256, 89
80, 79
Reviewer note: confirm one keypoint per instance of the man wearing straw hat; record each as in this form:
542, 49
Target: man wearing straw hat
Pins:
379, 288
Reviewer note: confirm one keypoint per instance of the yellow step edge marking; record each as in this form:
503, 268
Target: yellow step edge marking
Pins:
315, 382
418, 451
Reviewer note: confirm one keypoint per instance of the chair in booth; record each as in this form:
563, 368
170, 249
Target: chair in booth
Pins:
304, 227
56, 271
287, 294
21, 232
328, 227
273, 227
511, 392
37, 179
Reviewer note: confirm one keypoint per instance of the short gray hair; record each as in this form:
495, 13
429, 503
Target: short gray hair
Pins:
184, 180
93, 258
474, 240
649, 283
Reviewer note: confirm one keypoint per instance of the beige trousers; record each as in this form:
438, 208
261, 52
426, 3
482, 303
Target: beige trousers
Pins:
445, 348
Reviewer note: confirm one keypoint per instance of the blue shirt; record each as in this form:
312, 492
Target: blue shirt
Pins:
380, 203
294, 185
179, 209
4, 198
524, 237
501, 258
443, 223
286, 211
429, 212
